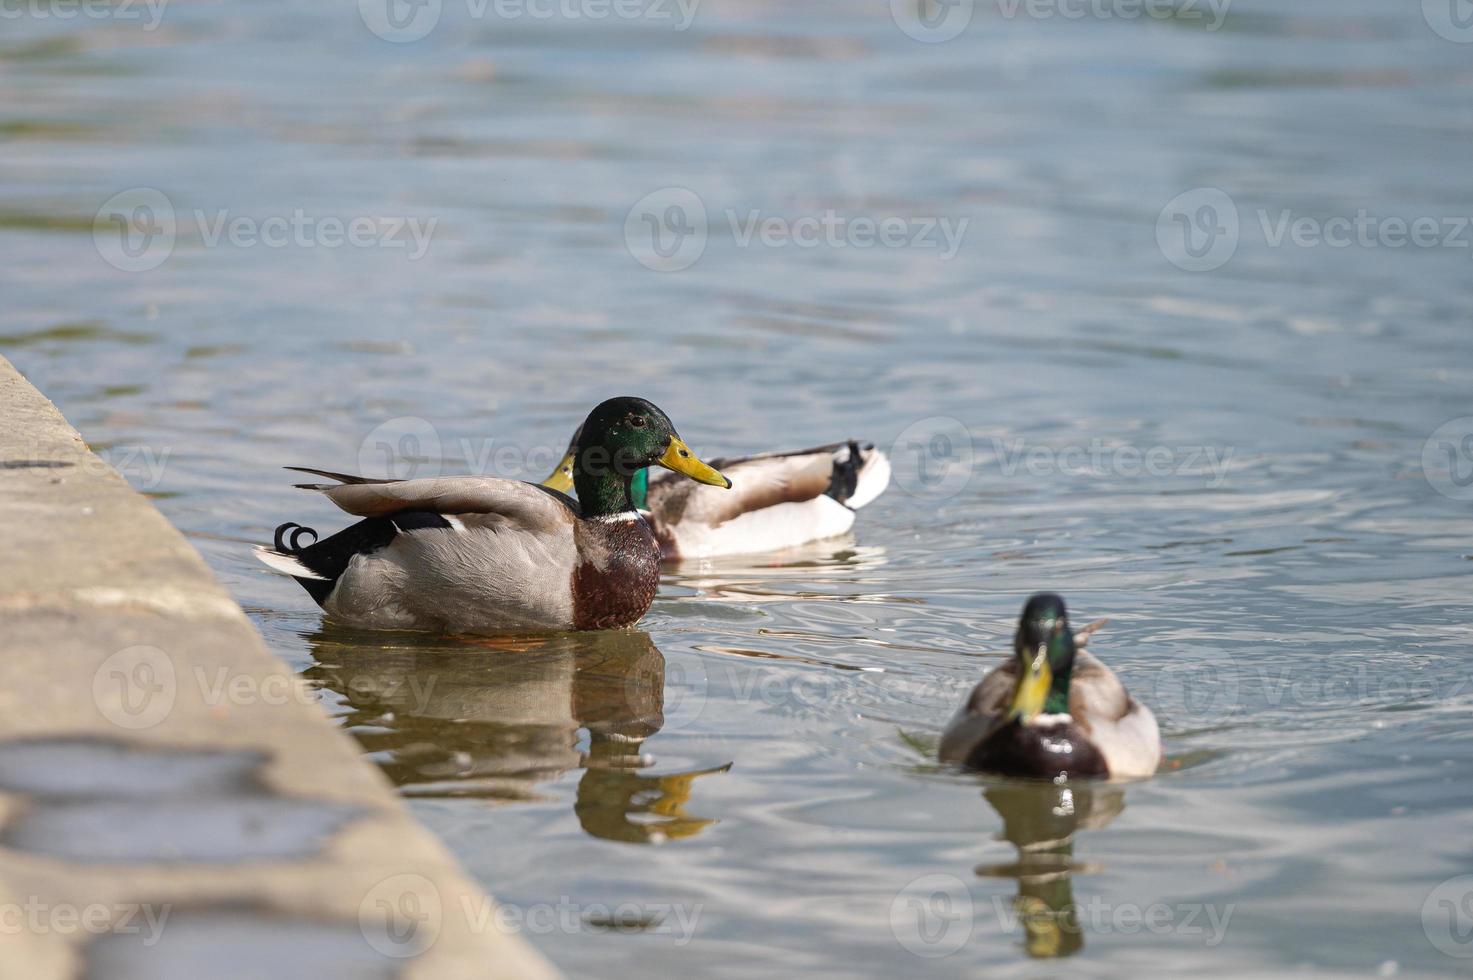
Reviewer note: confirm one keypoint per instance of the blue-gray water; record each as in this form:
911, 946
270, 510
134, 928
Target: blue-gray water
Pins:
1226, 459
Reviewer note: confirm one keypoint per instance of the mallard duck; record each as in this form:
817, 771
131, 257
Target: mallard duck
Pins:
472, 554
780, 500
1052, 711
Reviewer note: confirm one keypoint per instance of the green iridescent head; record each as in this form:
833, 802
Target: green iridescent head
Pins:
609, 453
1044, 646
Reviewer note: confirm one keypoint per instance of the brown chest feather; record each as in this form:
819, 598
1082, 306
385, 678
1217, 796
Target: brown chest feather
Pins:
1043, 752
616, 576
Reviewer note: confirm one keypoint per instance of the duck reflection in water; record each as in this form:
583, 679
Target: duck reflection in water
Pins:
493, 719
1040, 819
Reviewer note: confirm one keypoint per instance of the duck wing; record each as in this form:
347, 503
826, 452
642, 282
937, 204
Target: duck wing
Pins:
526, 505
979, 714
340, 477
1123, 729
756, 484
845, 471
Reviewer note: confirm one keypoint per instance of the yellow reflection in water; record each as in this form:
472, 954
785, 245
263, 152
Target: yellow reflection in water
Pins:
1040, 819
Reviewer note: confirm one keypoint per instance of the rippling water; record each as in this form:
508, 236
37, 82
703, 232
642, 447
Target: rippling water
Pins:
1227, 462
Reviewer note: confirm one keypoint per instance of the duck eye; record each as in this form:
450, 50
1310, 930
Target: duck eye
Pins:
638, 421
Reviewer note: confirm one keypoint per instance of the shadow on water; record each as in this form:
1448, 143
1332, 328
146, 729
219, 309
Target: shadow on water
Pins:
1040, 820
497, 719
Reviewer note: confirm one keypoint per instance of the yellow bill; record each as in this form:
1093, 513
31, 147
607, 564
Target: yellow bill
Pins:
679, 458
1033, 686
561, 479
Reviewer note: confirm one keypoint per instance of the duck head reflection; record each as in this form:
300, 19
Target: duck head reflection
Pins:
493, 719
1040, 819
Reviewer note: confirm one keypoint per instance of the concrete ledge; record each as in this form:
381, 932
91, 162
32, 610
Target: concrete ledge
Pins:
171, 802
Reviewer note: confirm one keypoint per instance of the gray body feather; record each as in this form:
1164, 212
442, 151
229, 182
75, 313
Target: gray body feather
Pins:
505, 563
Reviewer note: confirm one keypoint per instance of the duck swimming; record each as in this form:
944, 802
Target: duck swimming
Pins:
1052, 711
780, 500
481, 555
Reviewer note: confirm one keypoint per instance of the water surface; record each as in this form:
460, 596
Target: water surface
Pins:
749, 770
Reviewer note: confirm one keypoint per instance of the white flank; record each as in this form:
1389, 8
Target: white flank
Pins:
285, 564
768, 529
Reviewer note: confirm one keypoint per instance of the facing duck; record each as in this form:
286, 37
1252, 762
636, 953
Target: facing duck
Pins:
781, 500
1052, 711
473, 554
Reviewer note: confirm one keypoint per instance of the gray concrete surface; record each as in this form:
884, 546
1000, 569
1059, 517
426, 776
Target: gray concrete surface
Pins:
170, 794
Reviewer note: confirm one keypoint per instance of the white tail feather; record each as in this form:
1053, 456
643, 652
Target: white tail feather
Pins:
874, 477
285, 564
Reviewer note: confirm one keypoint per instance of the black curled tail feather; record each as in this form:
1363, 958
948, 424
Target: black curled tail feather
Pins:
845, 477
291, 545
329, 558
